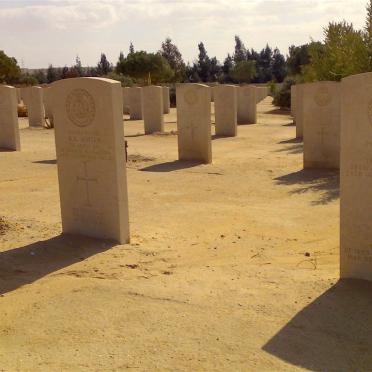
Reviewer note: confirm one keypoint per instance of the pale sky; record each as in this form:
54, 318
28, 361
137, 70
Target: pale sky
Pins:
39, 32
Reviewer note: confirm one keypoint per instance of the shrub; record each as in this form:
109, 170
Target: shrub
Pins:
126, 81
282, 97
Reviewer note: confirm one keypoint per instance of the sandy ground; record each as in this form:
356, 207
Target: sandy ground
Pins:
233, 266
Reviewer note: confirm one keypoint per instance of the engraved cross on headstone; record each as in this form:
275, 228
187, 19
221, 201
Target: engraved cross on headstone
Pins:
323, 133
191, 127
86, 179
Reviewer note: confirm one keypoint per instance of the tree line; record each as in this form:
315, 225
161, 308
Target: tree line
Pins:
166, 66
345, 51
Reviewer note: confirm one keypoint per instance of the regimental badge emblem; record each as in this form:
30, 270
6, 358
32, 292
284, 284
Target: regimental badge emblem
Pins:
322, 96
191, 97
80, 108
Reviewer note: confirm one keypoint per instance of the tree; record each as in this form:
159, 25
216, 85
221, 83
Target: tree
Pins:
78, 67
139, 65
202, 65
298, 57
121, 57
9, 69
344, 53
131, 48
215, 69
368, 31
51, 75
243, 72
264, 64
40, 76
227, 66
171, 53
103, 66
64, 73
278, 68
240, 53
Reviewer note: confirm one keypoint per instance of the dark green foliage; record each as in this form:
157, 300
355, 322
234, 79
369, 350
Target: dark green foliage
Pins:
126, 81
282, 98
298, 57
243, 72
240, 53
170, 52
103, 66
52, 74
142, 65
9, 69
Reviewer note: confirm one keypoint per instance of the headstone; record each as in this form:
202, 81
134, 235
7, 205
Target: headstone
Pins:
356, 177
321, 124
48, 105
293, 102
135, 103
19, 99
225, 107
9, 130
35, 107
247, 105
25, 95
261, 94
194, 122
166, 100
88, 117
126, 93
153, 109
299, 104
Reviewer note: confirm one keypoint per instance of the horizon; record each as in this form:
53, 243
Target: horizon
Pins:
39, 33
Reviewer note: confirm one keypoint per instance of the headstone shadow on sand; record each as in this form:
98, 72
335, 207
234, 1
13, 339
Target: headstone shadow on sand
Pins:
325, 181
171, 166
333, 333
27, 264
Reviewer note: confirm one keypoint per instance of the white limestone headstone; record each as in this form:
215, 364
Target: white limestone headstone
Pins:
48, 105
194, 122
299, 110
356, 177
226, 109
322, 124
9, 130
35, 107
126, 109
247, 104
88, 117
153, 109
166, 100
135, 103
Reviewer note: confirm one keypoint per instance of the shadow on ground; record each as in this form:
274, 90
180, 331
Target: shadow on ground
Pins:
27, 264
296, 147
278, 111
6, 150
325, 181
52, 161
333, 333
292, 140
291, 124
135, 135
171, 166
216, 137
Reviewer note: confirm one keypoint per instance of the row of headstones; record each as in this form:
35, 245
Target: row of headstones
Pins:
88, 119
335, 121
233, 105
133, 99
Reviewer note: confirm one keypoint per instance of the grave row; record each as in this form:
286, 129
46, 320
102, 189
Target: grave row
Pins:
335, 121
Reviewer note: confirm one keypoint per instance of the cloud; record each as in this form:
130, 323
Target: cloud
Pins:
32, 29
